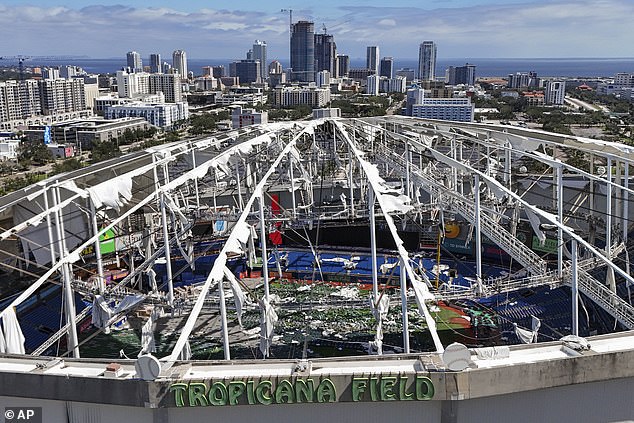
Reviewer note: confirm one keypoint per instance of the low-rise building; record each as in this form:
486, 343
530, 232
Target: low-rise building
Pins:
534, 98
295, 96
61, 151
103, 102
244, 117
162, 115
455, 109
9, 149
250, 96
332, 112
83, 132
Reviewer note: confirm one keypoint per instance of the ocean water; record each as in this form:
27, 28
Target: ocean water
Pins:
569, 67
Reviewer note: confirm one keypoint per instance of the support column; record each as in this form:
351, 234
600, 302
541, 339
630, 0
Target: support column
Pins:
476, 197
407, 170
290, 161
265, 259
608, 211
215, 191
575, 290
461, 190
507, 164
375, 278
404, 308
168, 260
454, 170
560, 214
69, 298
223, 319
49, 227
351, 181
626, 195
240, 204
196, 183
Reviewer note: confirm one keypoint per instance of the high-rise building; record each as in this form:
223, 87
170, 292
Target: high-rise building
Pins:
322, 78
135, 64
427, 61
387, 67
19, 100
523, 80
155, 63
275, 67
373, 85
50, 73
456, 75
398, 84
218, 71
179, 62
69, 71
247, 70
624, 79
555, 92
325, 53
343, 65
303, 51
62, 95
136, 84
372, 59
408, 73
259, 53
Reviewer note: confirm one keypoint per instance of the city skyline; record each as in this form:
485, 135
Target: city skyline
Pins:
462, 28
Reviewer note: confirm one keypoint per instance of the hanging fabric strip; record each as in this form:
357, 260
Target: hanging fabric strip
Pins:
13, 337
268, 318
239, 297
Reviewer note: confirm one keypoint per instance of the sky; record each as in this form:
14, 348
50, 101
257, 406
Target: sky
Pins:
212, 29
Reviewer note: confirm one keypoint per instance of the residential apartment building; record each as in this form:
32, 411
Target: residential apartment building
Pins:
427, 61
162, 115
461, 75
454, 109
555, 92
179, 62
294, 96
19, 100
135, 84
134, 62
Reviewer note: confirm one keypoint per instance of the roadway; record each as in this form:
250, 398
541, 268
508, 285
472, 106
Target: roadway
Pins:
578, 104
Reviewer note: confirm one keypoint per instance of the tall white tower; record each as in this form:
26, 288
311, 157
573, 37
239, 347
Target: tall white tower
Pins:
259, 53
179, 62
134, 61
427, 61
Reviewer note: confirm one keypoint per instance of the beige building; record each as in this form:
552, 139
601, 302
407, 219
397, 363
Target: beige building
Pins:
296, 96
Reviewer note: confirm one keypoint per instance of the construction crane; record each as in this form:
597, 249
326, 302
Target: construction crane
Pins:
21, 60
290, 19
336, 25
